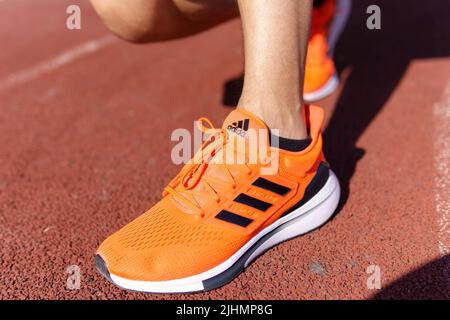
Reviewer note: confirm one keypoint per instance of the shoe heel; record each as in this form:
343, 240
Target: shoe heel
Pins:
328, 88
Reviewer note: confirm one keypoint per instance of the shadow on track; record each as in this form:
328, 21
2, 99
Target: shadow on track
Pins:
431, 281
377, 61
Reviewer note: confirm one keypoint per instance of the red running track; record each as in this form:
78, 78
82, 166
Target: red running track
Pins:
85, 124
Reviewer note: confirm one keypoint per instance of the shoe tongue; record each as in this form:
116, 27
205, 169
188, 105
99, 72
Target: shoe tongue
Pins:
239, 122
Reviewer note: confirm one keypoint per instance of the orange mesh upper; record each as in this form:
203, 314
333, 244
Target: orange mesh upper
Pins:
171, 241
162, 243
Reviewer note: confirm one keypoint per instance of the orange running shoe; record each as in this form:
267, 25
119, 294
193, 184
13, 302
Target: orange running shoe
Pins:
328, 22
216, 217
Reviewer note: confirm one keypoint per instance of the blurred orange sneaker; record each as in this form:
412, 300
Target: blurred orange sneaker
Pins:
328, 21
216, 217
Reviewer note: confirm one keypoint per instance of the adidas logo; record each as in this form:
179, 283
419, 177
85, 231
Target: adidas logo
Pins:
240, 127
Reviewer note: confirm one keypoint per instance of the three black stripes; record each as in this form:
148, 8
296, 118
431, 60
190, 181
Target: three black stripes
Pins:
252, 202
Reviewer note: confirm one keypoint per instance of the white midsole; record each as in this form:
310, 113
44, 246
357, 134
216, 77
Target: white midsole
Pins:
323, 203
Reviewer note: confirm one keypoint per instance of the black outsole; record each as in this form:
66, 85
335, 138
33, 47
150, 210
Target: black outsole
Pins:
102, 268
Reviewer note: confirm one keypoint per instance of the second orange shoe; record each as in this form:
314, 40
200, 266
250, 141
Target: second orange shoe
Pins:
215, 217
328, 21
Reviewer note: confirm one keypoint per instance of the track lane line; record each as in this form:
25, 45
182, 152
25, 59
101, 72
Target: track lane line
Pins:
47, 66
441, 117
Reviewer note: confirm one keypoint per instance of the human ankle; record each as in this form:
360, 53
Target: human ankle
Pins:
287, 119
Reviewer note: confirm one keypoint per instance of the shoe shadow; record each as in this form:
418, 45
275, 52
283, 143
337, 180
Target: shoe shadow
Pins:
431, 281
377, 61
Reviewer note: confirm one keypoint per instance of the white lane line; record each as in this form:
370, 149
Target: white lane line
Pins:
54, 63
441, 119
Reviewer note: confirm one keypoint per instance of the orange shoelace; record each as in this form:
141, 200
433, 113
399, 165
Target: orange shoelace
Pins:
193, 174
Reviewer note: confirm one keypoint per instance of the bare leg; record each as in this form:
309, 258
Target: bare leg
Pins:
159, 20
276, 35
